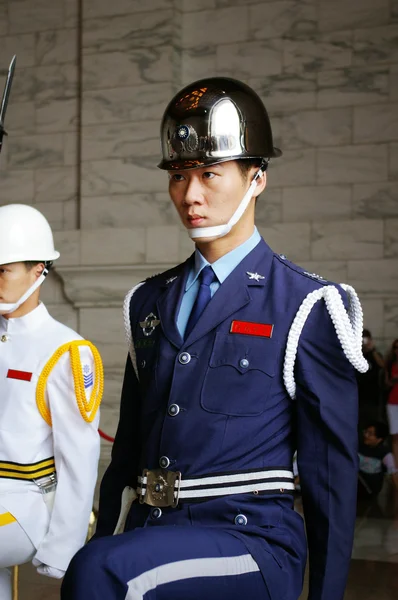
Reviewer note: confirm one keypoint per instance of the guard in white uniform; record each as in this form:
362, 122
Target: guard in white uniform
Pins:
51, 388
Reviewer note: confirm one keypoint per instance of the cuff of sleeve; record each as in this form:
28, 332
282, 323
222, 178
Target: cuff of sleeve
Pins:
56, 558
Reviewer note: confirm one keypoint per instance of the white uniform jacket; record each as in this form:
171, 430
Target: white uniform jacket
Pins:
29, 445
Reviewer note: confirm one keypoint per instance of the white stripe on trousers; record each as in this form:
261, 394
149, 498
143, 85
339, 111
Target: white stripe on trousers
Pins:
187, 569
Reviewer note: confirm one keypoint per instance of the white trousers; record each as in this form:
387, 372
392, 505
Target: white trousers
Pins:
16, 548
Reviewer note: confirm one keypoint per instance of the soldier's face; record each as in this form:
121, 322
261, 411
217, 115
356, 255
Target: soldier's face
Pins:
210, 195
15, 280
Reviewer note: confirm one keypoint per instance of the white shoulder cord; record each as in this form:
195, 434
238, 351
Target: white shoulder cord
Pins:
348, 326
127, 325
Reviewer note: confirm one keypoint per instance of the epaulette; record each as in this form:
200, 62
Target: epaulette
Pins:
82, 378
314, 276
151, 277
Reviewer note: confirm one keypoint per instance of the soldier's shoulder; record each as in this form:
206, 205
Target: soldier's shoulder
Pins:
164, 278
301, 273
61, 332
154, 283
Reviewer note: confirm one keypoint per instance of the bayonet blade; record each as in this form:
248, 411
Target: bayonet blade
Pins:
4, 100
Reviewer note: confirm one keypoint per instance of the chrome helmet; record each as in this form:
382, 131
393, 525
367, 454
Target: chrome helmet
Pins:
214, 120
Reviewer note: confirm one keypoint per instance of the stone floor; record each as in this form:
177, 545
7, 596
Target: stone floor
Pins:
373, 573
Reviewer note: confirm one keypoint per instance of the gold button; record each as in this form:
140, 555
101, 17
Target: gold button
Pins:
4, 338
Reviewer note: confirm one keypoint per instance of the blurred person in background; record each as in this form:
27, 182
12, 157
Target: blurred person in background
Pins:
369, 383
375, 460
391, 379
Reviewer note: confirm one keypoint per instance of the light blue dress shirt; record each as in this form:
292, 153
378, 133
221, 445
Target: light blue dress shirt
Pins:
222, 268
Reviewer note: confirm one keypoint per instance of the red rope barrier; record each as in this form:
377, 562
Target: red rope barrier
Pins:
105, 436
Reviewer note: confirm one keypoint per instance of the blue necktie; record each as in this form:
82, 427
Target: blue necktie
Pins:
206, 278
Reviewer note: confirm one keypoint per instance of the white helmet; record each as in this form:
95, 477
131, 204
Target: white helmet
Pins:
25, 235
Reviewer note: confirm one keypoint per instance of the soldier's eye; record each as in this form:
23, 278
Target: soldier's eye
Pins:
176, 177
208, 175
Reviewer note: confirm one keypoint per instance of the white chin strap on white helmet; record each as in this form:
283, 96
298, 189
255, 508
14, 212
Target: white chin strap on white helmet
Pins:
218, 231
6, 309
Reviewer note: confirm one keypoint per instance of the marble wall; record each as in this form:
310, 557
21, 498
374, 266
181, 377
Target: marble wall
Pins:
84, 116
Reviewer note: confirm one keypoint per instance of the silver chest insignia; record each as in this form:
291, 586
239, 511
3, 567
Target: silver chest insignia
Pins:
148, 326
254, 276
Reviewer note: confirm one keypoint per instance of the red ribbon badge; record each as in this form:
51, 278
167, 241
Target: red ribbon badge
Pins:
22, 375
247, 328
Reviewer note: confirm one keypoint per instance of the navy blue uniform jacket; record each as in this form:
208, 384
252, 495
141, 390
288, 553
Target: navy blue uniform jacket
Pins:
233, 418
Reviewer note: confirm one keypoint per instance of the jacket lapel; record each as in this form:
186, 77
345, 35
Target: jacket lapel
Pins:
234, 293
169, 303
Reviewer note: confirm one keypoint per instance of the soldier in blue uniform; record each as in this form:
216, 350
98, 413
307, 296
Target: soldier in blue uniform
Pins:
237, 358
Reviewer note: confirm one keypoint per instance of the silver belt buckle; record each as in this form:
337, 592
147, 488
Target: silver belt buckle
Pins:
161, 489
47, 484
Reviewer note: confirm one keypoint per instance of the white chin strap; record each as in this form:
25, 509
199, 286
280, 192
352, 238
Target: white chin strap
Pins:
6, 309
218, 231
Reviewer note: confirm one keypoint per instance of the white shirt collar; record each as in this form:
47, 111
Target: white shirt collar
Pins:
226, 264
28, 322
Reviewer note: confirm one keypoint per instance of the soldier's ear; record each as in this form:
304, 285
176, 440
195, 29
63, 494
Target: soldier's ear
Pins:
38, 269
261, 184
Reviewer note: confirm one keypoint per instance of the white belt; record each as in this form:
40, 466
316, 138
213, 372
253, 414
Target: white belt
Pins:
166, 488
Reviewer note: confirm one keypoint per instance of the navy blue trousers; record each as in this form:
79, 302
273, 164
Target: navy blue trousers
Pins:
165, 563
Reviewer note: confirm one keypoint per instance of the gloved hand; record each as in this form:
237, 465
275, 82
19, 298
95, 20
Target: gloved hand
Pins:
43, 569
